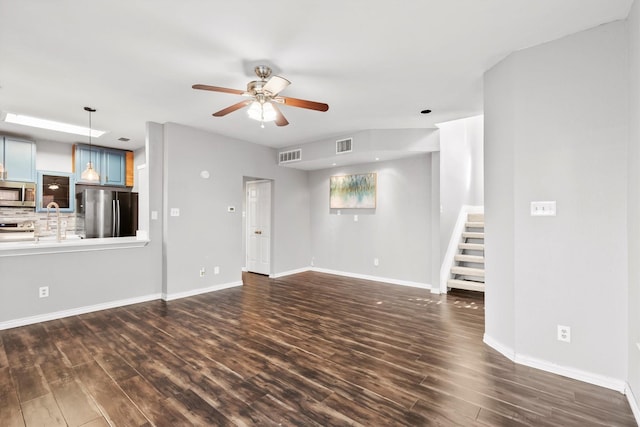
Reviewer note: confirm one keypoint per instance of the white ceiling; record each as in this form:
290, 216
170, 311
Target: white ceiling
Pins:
376, 63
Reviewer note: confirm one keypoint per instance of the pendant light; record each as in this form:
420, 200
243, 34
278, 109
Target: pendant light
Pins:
90, 174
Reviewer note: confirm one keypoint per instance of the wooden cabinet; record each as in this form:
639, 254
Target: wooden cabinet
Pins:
111, 164
18, 158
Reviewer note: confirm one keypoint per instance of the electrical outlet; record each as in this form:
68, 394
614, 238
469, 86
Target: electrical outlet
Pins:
216, 270
564, 333
175, 212
43, 291
355, 218
202, 271
376, 262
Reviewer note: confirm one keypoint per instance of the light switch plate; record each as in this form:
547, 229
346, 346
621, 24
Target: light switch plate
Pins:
154, 214
543, 208
175, 211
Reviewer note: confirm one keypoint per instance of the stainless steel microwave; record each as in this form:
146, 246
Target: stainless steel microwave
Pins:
17, 194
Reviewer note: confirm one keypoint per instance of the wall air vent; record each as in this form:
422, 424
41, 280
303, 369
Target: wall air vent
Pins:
290, 156
344, 145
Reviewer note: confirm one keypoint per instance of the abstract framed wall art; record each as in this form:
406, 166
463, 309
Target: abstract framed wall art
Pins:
353, 191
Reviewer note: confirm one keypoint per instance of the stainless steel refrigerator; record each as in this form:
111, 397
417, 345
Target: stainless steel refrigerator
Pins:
107, 213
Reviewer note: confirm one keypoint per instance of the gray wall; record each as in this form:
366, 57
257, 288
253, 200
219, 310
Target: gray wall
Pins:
461, 172
633, 201
205, 234
562, 107
83, 279
399, 232
500, 127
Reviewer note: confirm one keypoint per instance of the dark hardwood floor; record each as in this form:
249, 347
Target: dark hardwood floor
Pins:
310, 350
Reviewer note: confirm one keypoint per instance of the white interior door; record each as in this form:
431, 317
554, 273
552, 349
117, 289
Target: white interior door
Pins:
259, 227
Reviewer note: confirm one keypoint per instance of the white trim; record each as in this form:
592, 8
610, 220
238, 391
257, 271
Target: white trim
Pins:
576, 374
632, 402
194, 292
67, 246
373, 278
75, 311
289, 273
447, 261
499, 347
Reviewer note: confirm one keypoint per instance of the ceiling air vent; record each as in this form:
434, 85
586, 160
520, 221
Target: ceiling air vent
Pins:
344, 145
290, 156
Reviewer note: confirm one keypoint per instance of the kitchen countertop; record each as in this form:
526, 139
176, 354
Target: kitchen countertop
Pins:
73, 244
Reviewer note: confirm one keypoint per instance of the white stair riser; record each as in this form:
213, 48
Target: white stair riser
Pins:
475, 259
467, 271
472, 235
465, 284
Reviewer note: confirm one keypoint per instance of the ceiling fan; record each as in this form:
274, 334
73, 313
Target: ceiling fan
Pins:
264, 98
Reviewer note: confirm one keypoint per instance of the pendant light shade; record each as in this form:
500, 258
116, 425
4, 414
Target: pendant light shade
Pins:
90, 174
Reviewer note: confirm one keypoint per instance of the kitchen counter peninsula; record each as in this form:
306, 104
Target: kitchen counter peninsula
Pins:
47, 246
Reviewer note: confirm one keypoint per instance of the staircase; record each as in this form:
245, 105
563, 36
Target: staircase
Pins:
468, 269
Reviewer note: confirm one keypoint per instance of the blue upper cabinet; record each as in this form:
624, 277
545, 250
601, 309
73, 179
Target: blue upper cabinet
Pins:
114, 167
56, 187
18, 158
109, 163
82, 156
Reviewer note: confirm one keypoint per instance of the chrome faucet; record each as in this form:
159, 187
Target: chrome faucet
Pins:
58, 228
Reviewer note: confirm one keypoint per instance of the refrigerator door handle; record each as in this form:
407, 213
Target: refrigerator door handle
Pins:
118, 218
113, 216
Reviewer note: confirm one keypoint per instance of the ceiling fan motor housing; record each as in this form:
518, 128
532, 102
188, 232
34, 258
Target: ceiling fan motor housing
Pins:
255, 86
262, 71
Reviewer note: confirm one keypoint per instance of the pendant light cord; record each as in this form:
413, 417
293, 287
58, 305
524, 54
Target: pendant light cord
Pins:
90, 110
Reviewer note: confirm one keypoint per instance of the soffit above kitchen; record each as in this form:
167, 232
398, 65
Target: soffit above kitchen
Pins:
377, 64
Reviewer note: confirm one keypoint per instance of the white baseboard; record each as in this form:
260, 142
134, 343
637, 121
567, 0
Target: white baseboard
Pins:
75, 311
452, 249
290, 272
373, 278
544, 365
632, 402
576, 374
199, 291
499, 347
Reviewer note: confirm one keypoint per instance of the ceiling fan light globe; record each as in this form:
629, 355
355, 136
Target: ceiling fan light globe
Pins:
255, 111
268, 112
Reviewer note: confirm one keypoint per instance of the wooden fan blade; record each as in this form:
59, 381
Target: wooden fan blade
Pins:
218, 89
280, 119
231, 108
275, 85
311, 105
